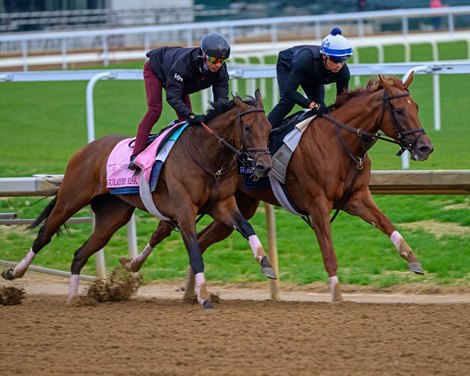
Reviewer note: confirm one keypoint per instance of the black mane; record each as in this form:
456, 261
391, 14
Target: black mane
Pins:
223, 105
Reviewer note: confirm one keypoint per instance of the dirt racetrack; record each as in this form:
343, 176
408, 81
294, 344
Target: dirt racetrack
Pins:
158, 334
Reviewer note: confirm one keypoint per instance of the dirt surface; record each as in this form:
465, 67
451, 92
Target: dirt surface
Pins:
156, 333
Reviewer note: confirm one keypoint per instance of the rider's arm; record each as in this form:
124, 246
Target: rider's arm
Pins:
220, 87
298, 73
174, 93
342, 84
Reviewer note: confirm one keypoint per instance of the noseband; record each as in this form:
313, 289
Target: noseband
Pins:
243, 154
403, 141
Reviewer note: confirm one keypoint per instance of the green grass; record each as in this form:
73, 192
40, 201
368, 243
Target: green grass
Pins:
43, 124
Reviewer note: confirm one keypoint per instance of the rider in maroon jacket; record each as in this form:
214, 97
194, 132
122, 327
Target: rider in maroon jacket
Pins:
182, 71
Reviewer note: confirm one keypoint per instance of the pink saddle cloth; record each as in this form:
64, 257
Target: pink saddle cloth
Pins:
118, 174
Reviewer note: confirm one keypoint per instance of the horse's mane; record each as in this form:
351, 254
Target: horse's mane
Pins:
372, 86
223, 105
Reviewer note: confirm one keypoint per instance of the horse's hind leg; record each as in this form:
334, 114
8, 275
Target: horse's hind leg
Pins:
363, 205
111, 213
163, 230
55, 214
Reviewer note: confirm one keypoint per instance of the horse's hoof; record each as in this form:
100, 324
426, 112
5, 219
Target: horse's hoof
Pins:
192, 299
8, 274
267, 269
127, 264
207, 304
416, 267
268, 272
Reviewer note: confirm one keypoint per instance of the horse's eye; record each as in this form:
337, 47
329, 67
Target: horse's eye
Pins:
399, 111
246, 128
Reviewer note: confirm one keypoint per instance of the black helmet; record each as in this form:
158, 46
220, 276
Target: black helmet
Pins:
215, 45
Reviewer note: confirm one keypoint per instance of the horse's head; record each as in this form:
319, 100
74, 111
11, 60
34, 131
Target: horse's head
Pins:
400, 120
251, 133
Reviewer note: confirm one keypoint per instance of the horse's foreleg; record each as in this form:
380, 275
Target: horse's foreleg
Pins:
163, 230
364, 206
110, 214
322, 228
228, 213
216, 232
188, 233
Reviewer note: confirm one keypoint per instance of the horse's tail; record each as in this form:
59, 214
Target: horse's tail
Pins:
44, 214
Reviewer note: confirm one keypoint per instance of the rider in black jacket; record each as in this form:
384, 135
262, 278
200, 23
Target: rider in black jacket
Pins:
182, 71
311, 67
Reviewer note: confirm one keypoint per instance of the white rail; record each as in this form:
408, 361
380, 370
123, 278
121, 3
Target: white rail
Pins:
313, 27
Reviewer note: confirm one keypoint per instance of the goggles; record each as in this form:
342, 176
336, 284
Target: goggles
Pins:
214, 60
338, 59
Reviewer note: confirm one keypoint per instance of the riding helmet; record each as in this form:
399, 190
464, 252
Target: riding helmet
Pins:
334, 44
215, 45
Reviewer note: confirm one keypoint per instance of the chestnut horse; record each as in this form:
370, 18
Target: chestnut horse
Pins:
330, 169
199, 176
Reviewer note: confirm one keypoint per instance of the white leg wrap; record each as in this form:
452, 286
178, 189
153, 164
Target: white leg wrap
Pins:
73, 285
142, 256
200, 280
255, 244
396, 238
20, 269
333, 282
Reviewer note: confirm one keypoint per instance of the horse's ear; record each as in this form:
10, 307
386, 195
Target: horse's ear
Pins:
384, 83
259, 100
409, 80
238, 102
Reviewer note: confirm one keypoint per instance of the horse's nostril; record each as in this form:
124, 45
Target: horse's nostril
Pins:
262, 168
425, 150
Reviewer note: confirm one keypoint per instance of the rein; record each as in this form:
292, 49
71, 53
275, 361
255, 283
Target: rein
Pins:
404, 142
242, 154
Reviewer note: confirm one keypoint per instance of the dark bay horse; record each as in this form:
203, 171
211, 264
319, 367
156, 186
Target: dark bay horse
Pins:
199, 176
330, 169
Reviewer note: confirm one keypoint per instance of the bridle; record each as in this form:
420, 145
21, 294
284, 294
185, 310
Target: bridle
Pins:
243, 153
403, 141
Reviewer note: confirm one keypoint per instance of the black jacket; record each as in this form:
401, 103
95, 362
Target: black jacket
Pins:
182, 71
306, 67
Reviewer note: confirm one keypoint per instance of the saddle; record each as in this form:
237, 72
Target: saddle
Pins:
276, 136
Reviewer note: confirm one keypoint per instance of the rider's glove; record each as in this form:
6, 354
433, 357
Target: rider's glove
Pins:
196, 119
319, 108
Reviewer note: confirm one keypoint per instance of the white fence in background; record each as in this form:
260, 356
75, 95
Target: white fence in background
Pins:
360, 24
253, 74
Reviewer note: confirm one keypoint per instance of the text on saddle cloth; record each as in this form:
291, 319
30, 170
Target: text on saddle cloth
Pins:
121, 180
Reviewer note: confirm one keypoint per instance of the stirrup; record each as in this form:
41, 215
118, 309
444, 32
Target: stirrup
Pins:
131, 165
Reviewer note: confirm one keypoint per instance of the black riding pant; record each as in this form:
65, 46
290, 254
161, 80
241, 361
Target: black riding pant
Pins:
313, 91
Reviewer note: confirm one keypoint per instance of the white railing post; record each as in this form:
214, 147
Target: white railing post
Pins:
100, 261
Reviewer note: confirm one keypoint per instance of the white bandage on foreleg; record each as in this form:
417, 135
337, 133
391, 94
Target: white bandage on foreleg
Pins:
144, 254
396, 238
73, 285
255, 245
200, 279
333, 282
23, 264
